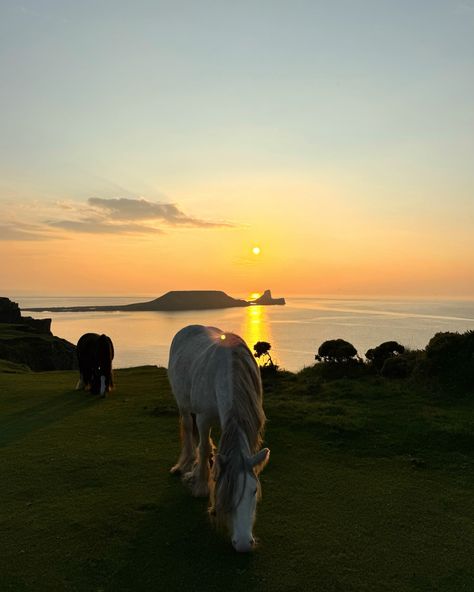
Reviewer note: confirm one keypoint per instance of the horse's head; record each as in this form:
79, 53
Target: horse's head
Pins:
241, 487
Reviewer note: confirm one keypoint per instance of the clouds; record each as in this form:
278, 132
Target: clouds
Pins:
111, 216
91, 226
11, 231
140, 209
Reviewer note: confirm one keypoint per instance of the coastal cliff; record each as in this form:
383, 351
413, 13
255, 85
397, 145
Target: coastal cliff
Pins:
29, 342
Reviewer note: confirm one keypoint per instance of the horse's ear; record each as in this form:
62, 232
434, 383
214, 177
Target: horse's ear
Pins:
259, 461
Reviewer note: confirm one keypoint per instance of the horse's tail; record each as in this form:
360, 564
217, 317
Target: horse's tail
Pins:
105, 349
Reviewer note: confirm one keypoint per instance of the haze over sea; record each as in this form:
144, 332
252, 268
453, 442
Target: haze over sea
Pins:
295, 330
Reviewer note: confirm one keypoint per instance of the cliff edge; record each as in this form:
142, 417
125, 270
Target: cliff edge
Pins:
27, 341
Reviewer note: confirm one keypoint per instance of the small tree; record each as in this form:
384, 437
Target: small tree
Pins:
444, 348
388, 349
262, 350
450, 360
336, 350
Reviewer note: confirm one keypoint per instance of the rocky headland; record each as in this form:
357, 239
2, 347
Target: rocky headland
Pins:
28, 343
266, 299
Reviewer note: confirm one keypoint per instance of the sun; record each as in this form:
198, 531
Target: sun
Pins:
256, 250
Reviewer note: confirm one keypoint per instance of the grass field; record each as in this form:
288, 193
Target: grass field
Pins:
370, 487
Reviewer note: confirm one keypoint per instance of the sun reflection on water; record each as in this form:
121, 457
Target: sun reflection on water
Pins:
256, 326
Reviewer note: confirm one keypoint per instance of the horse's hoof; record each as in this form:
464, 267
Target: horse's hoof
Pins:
189, 477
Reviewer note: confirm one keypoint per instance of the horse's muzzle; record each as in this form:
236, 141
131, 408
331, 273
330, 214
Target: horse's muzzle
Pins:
244, 546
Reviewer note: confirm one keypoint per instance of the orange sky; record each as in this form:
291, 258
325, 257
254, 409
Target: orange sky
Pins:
323, 241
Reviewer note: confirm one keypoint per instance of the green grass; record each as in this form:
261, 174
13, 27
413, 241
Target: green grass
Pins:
12, 367
369, 488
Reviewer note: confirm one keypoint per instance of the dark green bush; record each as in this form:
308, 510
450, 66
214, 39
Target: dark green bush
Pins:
444, 348
395, 367
380, 354
450, 361
352, 368
336, 350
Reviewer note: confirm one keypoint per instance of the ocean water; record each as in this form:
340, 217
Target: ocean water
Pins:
295, 331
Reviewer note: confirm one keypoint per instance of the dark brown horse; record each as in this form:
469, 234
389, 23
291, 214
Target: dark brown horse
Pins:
95, 354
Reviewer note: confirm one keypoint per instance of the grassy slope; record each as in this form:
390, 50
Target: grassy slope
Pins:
369, 488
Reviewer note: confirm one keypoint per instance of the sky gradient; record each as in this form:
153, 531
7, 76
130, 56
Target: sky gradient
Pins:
148, 146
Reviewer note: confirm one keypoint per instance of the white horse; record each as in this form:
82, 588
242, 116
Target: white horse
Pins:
215, 379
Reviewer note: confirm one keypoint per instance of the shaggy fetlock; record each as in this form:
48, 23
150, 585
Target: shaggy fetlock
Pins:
200, 489
182, 467
198, 486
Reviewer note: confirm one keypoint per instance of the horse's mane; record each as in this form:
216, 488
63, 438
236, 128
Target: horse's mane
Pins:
245, 421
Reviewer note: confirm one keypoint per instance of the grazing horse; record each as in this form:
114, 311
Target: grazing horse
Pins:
215, 379
95, 354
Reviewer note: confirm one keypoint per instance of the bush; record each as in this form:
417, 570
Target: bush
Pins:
450, 360
380, 354
352, 368
337, 351
444, 348
395, 367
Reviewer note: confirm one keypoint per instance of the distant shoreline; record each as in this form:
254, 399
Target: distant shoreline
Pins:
182, 300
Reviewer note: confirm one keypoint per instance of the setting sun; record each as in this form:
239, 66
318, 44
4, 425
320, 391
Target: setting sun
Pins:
256, 250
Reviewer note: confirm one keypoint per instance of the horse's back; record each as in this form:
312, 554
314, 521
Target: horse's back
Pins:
86, 340
95, 344
201, 368
187, 356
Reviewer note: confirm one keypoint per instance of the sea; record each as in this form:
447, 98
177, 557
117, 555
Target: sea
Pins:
295, 331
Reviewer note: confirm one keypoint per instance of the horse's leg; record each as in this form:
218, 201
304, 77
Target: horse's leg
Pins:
187, 458
198, 478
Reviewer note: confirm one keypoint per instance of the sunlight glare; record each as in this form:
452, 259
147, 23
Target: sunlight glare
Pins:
256, 326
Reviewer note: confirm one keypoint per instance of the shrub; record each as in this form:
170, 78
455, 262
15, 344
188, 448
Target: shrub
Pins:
444, 348
388, 349
395, 367
353, 368
450, 360
336, 350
